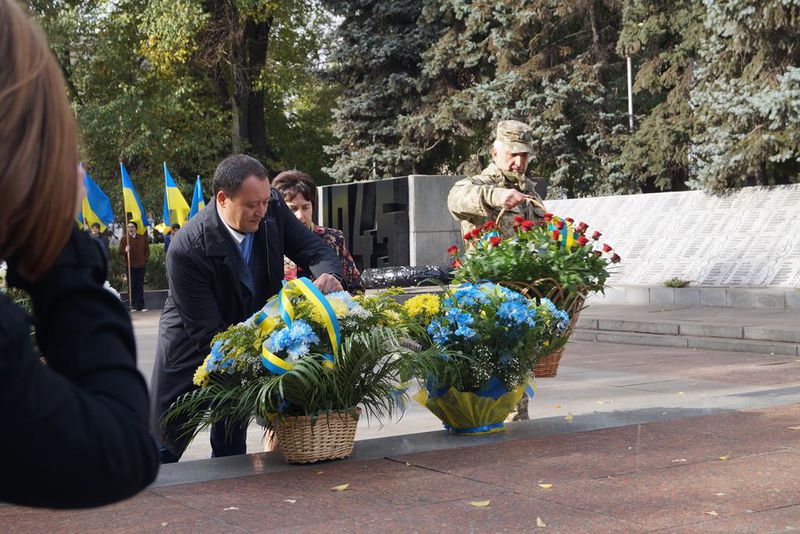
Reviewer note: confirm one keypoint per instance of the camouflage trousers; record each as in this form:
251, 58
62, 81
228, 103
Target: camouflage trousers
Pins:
520, 413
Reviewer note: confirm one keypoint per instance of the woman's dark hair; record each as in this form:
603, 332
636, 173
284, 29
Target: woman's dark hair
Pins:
234, 170
290, 183
38, 147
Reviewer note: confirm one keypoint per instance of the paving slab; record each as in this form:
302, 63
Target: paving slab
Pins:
694, 474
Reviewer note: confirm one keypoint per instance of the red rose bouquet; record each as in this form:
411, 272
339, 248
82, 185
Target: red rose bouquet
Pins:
553, 258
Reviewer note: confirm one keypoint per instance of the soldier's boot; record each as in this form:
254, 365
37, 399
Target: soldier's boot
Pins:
521, 411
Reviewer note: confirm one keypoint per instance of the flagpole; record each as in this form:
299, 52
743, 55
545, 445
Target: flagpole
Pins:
128, 253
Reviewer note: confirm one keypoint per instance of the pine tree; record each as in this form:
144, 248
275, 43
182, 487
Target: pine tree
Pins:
662, 37
747, 97
376, 60
551, 64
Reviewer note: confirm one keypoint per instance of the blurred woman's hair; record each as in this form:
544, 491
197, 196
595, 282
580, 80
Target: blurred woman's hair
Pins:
290, 183
38, 147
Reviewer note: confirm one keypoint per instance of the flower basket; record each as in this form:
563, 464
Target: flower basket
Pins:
305, 439
472, 413
546, 365
484, 340
548, 260
301, 364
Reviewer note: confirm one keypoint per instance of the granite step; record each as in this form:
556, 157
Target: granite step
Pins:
698, 342
760, 331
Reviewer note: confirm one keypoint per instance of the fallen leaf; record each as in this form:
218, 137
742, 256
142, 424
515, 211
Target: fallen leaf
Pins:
480, 504
545, 486
540, 523
569, 417
723, 458
712, 512
681, 393
164, 524
341, 487
290, 501
601, 402
794, 428
679, 460
320, 472
720, 494
230, 508
556, 406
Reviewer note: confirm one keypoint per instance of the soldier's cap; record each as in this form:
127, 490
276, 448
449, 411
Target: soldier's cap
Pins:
516, 136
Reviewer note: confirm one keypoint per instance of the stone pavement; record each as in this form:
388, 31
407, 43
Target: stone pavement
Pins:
631, 438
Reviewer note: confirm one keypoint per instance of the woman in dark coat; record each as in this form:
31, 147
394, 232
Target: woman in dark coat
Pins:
73, 407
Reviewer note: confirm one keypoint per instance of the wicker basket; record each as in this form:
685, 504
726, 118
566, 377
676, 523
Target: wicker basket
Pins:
304, 440
547, 366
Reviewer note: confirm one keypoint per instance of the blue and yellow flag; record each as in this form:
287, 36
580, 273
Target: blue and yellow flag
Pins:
133, 204
198, 202
96, 207
176, 210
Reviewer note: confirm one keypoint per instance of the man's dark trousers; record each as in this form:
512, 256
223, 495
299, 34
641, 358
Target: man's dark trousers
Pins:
136, 286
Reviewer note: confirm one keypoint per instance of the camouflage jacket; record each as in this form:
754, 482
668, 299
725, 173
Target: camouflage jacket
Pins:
477, 199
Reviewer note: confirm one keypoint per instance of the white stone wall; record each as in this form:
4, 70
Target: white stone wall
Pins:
747, 238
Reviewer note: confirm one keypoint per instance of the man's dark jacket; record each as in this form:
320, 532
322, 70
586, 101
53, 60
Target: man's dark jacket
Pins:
210, 288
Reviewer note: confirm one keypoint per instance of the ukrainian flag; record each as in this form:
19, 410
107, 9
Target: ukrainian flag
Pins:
198, 202
176, 210
96, 207
133, 204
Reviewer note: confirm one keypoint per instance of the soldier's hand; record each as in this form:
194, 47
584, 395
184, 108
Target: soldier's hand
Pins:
513, 198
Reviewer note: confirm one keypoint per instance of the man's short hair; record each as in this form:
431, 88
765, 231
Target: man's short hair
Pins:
96, 225
176, 226
135, 224
234, 170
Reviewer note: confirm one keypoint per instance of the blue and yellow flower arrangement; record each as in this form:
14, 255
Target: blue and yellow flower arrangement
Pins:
303, 355
485, 338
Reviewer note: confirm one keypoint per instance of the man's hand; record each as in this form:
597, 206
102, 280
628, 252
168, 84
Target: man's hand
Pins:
513, 198
327, 283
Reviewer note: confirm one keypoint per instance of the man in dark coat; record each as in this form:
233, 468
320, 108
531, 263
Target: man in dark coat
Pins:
222, 267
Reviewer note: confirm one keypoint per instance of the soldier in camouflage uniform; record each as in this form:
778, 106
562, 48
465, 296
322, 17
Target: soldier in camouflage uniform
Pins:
478, 199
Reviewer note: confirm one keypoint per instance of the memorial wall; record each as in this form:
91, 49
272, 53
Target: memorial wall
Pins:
746, 238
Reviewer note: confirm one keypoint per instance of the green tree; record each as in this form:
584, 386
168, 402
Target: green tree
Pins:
747, 97
376, 60
551, 64
662, 37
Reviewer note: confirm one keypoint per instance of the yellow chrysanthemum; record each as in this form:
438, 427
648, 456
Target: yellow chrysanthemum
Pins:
425, 304
200, 378
391, 316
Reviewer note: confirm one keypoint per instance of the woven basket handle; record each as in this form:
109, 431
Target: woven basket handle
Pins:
527, 199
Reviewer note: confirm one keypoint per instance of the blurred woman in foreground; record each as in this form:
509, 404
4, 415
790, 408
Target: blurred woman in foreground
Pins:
75, 430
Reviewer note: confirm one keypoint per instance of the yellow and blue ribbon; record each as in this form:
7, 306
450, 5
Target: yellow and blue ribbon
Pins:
567, 234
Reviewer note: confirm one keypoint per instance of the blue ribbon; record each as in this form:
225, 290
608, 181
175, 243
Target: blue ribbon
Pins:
473, 430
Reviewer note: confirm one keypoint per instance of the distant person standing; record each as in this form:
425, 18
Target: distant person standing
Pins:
97, 235
502, 187
139, 250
